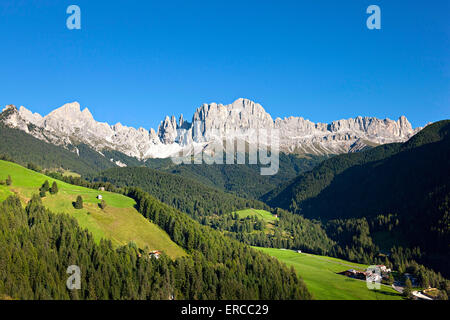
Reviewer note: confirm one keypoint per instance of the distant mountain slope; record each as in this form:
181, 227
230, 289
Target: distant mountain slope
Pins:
80, 158
410, 181
25, 148
179, 192
308, 185
243, 180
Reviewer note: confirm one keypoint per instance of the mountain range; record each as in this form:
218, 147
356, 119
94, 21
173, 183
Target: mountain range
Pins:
69, 126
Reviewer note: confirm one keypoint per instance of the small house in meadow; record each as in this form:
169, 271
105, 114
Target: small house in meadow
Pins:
384, 269
99, 197
155, 254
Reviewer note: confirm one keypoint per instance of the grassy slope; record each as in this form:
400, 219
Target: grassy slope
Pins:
119, 222
266, 216
261, 214
321, 278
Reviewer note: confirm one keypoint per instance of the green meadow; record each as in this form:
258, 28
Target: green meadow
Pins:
119, 221
261, 214
320, 275
264, 215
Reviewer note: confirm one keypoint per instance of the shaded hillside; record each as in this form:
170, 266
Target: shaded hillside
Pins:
244, 180
408, 183
24, 148
310, 184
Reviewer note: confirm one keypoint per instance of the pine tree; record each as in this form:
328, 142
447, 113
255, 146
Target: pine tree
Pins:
407, 291
391, 279
45, 187
42, 193
102, 204
8, 181
442, 295
79, 203
54, 188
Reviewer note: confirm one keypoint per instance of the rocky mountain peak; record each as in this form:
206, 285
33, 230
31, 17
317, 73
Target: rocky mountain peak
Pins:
70, 112
34, 118
69, 125
167, 130
69, 108
10, 116
9, 107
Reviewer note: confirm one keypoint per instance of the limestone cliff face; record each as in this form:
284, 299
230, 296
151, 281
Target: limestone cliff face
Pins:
69, 125
339, 136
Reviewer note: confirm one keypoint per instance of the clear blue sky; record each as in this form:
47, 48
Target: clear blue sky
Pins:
136, 61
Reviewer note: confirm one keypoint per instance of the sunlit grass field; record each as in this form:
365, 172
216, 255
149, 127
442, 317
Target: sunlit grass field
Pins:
269, 219
320, 275
119, 221
261, 214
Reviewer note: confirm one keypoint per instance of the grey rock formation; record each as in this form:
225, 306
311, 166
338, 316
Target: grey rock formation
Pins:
69, 125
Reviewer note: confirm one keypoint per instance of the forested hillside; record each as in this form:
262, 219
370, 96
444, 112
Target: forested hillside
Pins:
243, 180
216, 268
310, 184
214, 208
181, 193
394, 194
24, 149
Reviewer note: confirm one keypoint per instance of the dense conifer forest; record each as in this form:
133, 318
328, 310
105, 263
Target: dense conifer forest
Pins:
185, 194
409, 181
243, 180
216, 268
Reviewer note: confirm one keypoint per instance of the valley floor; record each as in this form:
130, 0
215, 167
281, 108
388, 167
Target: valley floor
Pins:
320, 273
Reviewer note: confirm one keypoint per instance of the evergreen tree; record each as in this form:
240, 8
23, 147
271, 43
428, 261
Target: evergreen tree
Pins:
391, 279
79, 203
8, 181
42, 193
54, 188
442, 295
407, 291
45, 187
102, 204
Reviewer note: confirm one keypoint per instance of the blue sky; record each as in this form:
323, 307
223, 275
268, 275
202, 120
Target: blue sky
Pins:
136, 61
